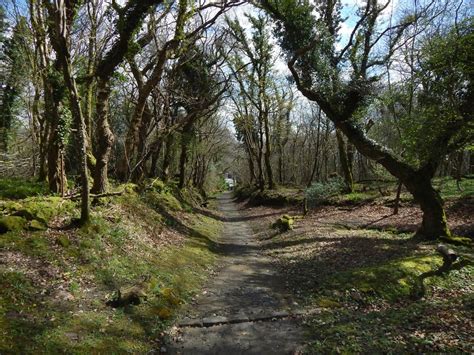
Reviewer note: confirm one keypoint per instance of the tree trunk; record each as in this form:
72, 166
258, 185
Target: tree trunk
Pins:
139, 169
344, 160
105, 138
82, 138
186, 136
59, 35
434, 223
167, 157
268, 152
397, 197
155, 157
56, 180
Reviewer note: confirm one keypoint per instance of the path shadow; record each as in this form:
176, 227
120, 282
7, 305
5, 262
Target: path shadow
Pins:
218, 217
306, 272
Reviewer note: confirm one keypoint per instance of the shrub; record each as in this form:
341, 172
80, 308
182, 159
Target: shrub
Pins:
284, 223
320, 192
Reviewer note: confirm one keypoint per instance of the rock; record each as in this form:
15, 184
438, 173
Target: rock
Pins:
239, 318
72, 336
63, 240
12, 223
64, 295
279, 314
36, 225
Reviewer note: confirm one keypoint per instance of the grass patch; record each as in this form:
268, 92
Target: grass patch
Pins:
11, 188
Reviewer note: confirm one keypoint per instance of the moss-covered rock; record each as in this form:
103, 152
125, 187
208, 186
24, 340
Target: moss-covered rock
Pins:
42, 209
63, 241
284, 223
36, 225
158, 185
25, 213
130, 188
169, 296
12, 223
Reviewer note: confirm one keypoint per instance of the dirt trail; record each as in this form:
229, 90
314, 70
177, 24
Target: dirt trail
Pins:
243, 309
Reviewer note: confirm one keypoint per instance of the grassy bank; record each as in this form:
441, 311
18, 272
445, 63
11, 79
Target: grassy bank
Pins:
55, 280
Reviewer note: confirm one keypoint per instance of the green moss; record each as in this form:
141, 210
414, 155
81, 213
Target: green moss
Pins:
449, 189
457, 240
163, 200
327, 303
36, 225
129, 188
42, 209
64, 241
354, 198
391, 281
12, 223
19, 188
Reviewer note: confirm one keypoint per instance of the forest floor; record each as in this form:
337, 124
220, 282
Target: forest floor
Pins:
369, 284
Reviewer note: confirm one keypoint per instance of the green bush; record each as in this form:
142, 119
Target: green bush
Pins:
320, 192
284, 223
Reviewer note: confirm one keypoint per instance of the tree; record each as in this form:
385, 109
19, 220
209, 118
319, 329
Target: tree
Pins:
321, 73
13, 75
254, 83
189, 28
130, 17
61, 17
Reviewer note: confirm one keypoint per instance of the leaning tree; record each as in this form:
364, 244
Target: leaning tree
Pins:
342, 75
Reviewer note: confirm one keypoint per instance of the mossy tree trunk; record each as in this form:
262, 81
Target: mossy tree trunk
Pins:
268, 149
168, 156
59, 31
434, 222
105, 138
131, 16
186, 136
56, 172
345, 163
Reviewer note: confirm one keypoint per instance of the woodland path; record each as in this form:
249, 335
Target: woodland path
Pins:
243, 309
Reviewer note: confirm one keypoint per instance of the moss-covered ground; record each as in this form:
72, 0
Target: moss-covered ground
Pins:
55, 281
370, 291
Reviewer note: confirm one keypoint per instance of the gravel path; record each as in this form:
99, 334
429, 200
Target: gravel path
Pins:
243, 309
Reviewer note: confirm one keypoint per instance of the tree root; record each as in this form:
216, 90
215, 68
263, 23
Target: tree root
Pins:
449, 264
